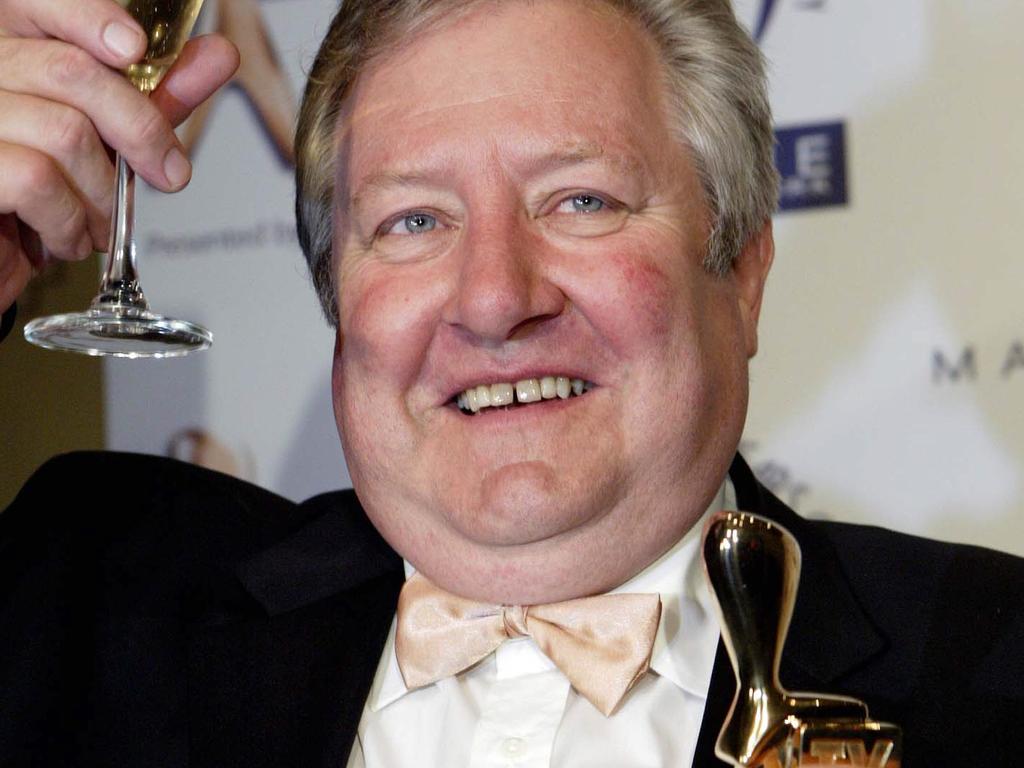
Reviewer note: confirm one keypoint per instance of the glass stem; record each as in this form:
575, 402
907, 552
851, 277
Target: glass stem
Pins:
119, 288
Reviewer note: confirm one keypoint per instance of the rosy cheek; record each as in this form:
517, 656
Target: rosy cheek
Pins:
627, 296
645, 289
386, 319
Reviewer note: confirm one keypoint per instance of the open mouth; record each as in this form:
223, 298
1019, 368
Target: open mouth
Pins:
525, 392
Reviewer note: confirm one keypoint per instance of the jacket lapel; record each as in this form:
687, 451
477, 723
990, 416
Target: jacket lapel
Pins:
285, 683
829, 634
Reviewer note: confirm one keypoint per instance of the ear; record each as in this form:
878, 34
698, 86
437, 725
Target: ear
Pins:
750, 273
336, 369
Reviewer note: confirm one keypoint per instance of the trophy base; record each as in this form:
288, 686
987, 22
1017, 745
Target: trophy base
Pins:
111, 330
866, 744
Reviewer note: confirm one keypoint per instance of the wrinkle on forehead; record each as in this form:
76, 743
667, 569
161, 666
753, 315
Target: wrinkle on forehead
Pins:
533, 102
468, 60
356, 112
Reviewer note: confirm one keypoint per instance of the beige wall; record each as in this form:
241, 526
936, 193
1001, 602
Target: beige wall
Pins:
863, 406
50, 402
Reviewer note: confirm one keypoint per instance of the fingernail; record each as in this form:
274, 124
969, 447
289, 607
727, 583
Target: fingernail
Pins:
122, 40
177, 168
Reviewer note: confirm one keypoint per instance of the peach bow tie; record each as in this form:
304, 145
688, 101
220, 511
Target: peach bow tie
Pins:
602, 644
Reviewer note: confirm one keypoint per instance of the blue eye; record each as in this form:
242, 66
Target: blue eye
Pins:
413, 224
587, 203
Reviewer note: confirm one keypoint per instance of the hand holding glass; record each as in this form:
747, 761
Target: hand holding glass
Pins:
119, 322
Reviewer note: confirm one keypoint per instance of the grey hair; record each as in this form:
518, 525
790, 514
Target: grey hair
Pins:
715, 81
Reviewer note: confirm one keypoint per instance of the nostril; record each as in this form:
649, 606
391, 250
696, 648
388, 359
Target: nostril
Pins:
500, 296
527, 327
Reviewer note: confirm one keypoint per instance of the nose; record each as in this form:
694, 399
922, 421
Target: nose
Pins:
502, 291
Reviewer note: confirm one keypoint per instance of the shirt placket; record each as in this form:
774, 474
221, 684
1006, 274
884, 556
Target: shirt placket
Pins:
522, 710
519, 721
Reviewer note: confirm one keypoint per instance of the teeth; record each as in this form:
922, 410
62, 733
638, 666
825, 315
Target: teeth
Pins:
501, 394
483, 396
528, 391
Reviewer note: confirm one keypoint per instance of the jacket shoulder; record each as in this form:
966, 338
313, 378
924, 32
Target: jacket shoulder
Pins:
135, 619
107, 496
958, 608
957, 577
133, 517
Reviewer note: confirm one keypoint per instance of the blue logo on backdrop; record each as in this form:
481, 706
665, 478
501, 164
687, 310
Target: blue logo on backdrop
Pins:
812, 163
811, 159
764, 15
767, 8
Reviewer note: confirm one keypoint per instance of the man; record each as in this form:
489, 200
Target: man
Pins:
542, 230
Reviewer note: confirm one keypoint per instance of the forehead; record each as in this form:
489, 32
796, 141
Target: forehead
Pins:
523, 77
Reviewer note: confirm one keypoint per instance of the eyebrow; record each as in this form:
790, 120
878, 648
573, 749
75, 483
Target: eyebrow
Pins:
580, 154
384, 180
562, 157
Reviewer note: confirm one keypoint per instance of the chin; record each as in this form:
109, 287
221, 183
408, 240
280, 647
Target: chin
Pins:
528, 502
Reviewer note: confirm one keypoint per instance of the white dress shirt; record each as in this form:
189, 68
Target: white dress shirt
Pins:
515, 708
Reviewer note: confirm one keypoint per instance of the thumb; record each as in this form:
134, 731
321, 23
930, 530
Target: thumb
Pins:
205, 64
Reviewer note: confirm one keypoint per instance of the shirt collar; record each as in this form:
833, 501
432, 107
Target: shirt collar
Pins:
388, 685
687, 638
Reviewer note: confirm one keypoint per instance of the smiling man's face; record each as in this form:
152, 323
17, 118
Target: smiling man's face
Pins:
512, 206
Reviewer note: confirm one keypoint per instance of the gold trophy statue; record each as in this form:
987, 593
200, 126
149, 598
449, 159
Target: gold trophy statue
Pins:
753, 566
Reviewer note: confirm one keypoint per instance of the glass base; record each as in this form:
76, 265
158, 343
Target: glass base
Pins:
118, 332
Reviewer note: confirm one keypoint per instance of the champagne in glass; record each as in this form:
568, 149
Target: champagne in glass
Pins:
168, 24
118, 322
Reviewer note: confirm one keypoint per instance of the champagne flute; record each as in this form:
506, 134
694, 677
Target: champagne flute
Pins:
119, 323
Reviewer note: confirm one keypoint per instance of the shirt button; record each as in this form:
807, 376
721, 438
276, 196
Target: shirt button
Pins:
513, 746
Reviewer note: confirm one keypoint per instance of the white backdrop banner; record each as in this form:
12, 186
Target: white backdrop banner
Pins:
890, 383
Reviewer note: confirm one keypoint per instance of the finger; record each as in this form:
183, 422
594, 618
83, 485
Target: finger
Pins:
101, 27
124, 118
33, 249
33, 188
205, 64
69, 138
15, 269
195, 126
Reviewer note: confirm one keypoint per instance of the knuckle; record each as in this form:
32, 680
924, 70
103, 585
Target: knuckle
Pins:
31, 246
72, 235
61, 242
75, 222
70, 67
151, 130
71, 133
38, 175
69, 226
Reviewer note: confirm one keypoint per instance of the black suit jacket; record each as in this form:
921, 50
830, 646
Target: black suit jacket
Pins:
155, 614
